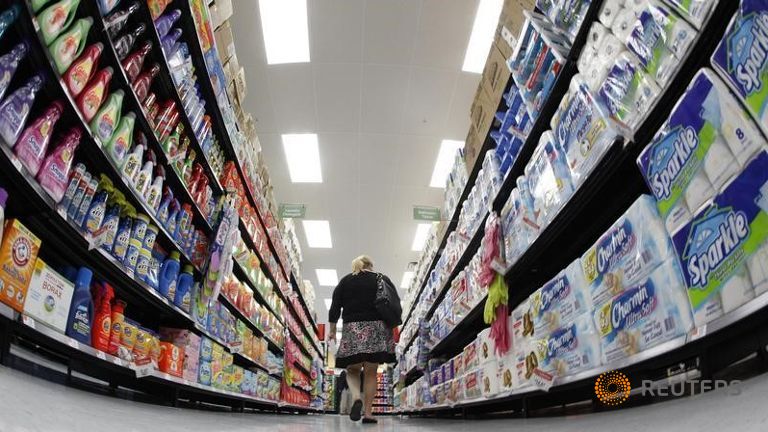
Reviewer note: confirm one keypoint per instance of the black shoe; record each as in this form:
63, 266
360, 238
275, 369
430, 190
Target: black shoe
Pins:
370, 420
356, 412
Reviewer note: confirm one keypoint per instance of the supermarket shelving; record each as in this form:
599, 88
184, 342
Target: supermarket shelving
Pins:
273, 346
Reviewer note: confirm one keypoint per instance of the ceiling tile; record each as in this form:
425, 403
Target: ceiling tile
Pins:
429, 101
338, 97
378, 159
336, 30
416, 158
293, 97
463, 95
444, 29
384, 94
390, 29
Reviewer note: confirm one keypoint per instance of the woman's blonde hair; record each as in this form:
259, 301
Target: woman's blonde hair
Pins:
363, 262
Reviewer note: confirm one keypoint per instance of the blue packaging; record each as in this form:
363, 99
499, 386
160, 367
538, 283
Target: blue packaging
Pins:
206, 349
568, 349
560, 301
628, 92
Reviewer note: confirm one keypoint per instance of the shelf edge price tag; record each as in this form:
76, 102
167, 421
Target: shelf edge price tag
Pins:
697, 333
144, 368
542, 380
28, 321
74, 344
100, 355
236, 347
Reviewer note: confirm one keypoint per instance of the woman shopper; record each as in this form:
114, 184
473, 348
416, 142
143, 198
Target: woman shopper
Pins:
366, 340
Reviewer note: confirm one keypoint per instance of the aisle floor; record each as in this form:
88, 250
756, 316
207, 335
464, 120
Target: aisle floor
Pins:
32, 404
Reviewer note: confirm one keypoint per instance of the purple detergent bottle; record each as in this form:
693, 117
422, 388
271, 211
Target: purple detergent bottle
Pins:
8, 64
14, 110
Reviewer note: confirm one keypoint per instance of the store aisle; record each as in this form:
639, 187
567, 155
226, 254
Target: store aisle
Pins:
30, 404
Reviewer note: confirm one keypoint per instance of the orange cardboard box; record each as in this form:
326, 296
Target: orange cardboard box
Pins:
171, 359
18, 255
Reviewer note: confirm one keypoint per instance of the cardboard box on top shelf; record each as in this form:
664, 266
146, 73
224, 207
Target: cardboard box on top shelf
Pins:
483, 110
495, 76
504, 46
225, 42
512, 19
240, 85
472, 146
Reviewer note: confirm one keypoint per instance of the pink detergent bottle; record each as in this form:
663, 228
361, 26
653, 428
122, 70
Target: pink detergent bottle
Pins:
33, 142
54, 173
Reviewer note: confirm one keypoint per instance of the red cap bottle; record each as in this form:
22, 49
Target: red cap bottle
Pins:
95, 92
81, 70
135, 61
144, 82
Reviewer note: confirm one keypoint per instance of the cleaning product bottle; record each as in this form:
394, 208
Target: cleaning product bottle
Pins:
153, 195
106, 120
3, 201
7, 17
102, 317
183, 150
183, 296
151, 108
57, 17
194, 179
135, 61
166, 21
70, 44
120, 143
169, 274
183, 223
116, 320
33, 142
166, 108
166, 129
144, 177
168, 42
81, 310
54, 172
142, 265
106, 6
123, 236
171, 144
117, 21
98, 207
125, 43
90, 100
144, 81
132, 164
85, 204
186, 168
135, 244
111, 222
77, 197
15, 108
165, 204
81, 70
8, 65
173, 213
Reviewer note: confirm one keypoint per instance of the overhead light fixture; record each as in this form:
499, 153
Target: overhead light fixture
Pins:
422, 231
327, 277
318, 233
285, 30
328, 303
303, 156
444, 162
407, 278
486, 21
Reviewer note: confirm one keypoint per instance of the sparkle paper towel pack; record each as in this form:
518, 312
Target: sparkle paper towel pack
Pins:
646, 314
742, 58
722, 250
706, 141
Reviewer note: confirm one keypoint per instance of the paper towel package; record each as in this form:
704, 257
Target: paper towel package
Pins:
695, 11
583, 130
569, 349
647, 314
635, 245
549, 179
628, 92
705, 142
567, 15
740, 58
560, 300
723, 246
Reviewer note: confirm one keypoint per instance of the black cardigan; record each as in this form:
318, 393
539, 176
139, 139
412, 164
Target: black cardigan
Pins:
355, 295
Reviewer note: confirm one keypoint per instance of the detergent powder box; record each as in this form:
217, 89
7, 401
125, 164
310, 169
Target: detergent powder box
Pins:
18, 254
635, 245
569, 349
49, 297
722, 249
740, 58
646, 314
560, 300
705, 142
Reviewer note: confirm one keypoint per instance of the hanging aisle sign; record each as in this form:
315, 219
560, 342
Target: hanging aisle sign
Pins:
426, 213
292, 211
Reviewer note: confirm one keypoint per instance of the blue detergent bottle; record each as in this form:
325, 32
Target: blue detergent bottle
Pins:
81, 309
169, 274
183, 297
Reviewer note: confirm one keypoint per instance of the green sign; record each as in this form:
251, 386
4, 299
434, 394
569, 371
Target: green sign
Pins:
426, 213
292, 211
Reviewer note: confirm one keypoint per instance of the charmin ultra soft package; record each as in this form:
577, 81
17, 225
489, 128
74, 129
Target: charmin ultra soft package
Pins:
569, 349
560, 300
722, 250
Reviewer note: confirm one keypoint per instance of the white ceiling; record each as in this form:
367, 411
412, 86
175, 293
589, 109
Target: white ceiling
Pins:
384, 87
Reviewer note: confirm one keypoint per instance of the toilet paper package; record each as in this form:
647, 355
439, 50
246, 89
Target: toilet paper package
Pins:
633, 246
515, 235
567, 15
740, 58
549, 179
646, 314
721, 250
695, 11
623, 24
609, 10
571, 348
583, 130
705, 141
628, 92
560, 300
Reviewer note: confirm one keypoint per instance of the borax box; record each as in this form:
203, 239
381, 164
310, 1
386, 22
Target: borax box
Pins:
49, 297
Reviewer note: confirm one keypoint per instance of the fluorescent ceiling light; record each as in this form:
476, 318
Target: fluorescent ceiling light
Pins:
407, 278
286, 35
303, 156
327, 277
422, 231
486, 20
318, 233
328, 303
444, 162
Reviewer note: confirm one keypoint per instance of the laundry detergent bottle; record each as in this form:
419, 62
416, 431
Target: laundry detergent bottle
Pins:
132, 164
54, 173
133, 64
7, 17
183, 296
57, 17
107, 118
8, 65
124, 44
122, 139
81, 70
95, 92
102, 320
116, 22
15, 108
169, 274
117, 319
164, 23
81, 310
33, 142
70, 44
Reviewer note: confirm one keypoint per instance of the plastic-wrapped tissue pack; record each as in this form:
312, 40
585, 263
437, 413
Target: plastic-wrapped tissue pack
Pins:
549, 179
569, 349
706, 141
695, 11
560, 300
628, 92
633, 246
646, 314
722, 250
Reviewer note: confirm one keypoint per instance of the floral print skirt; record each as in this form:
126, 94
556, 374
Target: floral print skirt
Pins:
365, 341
